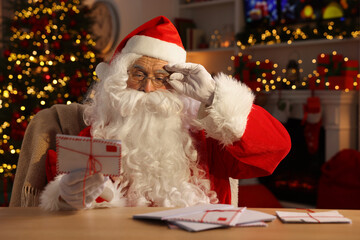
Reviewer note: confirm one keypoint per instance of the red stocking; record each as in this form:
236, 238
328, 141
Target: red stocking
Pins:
312, 120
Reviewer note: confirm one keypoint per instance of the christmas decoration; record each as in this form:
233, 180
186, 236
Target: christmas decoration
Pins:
337, 29
334, 72
335, 83
48, 58
293, 73
350, 68
242, 66
282, 110
340, 192
329, 64
255, 74
312, 120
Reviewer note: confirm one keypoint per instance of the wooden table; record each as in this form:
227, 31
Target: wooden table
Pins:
117, 223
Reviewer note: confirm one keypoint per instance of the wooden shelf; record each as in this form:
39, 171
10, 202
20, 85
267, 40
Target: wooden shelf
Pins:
205, 4
303, 43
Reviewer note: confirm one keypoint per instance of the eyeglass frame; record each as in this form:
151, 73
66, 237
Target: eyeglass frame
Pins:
141, 82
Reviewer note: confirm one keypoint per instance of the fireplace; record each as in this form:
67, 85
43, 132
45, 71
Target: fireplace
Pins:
296, 177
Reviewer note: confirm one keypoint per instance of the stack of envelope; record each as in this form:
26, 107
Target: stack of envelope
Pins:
210, 216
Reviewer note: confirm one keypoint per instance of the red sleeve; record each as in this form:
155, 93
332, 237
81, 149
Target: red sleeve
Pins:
50, 165
264, 144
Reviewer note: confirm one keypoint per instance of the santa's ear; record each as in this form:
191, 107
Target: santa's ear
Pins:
102, 70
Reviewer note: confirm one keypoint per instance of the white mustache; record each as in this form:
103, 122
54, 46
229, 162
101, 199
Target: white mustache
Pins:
164, 103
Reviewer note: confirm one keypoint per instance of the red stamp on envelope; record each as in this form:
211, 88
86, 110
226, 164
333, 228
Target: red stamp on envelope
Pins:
111, 148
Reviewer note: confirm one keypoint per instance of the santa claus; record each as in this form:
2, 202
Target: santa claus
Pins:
184, 133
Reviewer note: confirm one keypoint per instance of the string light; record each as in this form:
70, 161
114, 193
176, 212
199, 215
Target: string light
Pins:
38, 29
271, 84
287, 35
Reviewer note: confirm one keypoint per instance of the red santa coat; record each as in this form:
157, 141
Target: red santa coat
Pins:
263, 145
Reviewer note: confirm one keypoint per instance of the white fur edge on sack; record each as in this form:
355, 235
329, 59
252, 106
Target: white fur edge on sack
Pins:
49, 198
226, 119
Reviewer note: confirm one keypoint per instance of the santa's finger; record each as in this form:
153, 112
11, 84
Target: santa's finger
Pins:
177, 85
184, 68
176, 77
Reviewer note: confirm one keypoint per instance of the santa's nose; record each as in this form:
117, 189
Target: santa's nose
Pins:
148, 86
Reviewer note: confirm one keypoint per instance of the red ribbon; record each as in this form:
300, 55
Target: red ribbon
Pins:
236, 212
90, 168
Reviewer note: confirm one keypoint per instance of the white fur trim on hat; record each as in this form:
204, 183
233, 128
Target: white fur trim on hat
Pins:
153, 47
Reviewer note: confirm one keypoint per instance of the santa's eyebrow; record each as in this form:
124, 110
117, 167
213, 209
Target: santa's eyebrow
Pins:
138, 66
163, 71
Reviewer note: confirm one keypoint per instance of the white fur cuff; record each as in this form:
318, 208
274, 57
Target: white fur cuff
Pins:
225, 120
49, 198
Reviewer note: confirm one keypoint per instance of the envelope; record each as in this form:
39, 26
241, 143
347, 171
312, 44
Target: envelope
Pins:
209, 216
75, 152
228, 217
312, 217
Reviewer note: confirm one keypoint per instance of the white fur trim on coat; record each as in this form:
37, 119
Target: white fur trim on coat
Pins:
156, 48
226, 118
314, 117
49, 198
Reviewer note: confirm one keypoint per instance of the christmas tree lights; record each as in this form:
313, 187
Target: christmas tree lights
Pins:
49, 58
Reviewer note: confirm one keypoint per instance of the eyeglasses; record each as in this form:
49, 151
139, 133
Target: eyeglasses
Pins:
139, 77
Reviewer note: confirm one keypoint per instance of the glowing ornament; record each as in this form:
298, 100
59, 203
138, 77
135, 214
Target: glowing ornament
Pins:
333, 10
307, 12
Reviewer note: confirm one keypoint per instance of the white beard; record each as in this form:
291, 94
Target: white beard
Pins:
159, 162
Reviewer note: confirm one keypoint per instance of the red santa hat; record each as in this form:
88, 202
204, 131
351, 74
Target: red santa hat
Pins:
157, 38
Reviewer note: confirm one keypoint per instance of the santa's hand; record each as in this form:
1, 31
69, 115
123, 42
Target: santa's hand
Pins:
192, 80
80, 195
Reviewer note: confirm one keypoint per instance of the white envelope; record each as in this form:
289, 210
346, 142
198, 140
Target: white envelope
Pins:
192, 218
227, 217
73, 152
312, 217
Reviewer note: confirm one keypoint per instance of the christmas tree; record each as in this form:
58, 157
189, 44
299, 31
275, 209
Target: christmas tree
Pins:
48, 58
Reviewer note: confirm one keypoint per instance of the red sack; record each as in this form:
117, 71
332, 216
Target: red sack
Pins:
339, 185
